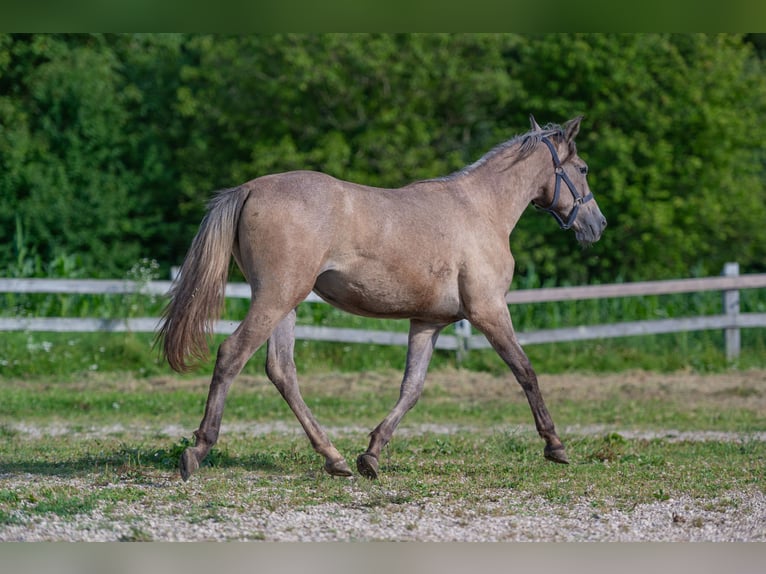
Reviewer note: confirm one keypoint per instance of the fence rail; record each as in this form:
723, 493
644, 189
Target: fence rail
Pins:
730, 321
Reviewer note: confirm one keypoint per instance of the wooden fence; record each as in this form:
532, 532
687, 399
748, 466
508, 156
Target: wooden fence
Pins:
730, 321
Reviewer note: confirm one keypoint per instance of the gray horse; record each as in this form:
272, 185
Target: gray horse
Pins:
433, 252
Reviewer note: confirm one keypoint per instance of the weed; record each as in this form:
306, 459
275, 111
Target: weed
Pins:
136, 534
9, 518
65, 504
383, 498
660, 494
204, 513
611, 448
256, 536
168, 457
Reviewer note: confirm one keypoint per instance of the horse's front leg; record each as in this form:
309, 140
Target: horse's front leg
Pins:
422, 339
496, 324
280, 367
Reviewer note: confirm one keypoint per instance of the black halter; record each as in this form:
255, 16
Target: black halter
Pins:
578, 199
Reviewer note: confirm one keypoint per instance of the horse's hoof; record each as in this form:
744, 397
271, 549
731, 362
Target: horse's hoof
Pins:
367, 465
557, 454
338, 468
188, 464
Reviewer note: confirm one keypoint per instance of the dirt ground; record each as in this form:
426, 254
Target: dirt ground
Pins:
745, 389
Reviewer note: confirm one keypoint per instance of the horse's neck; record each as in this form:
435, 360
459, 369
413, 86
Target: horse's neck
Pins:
503, 191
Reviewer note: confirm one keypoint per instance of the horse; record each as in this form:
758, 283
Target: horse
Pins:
433, 252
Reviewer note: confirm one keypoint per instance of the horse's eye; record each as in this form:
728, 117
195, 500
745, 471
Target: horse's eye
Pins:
584, 170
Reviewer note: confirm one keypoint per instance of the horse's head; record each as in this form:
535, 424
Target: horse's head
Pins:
565, 193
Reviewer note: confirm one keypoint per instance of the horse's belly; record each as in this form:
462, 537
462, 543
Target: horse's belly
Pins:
388, 296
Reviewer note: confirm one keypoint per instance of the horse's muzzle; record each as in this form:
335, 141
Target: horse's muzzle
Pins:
588, 227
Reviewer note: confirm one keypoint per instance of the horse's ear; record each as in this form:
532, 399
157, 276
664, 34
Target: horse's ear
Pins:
534, 123
572, 127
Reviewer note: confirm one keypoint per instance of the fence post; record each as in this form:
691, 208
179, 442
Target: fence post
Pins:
731, 308
463, 333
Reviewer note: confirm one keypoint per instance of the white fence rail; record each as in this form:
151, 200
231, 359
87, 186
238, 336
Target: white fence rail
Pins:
730, 321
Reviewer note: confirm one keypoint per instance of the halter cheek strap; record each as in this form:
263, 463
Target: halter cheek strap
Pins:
562, 175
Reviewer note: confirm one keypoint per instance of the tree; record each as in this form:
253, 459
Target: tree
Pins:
674, 133
62, 174
111, 144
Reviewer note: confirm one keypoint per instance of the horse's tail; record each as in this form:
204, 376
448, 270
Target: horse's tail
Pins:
197, 295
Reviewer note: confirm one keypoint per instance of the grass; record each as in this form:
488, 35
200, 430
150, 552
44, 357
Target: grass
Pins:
116, 384
72, 355
113, 400
608, 472
492, 451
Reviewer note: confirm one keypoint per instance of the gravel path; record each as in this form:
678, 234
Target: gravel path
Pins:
506, 516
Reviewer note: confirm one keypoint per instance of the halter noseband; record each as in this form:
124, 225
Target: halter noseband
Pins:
578, 199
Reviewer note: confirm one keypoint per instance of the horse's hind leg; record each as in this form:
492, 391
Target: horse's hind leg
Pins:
498, 328
233, 353
422, 339
280, 367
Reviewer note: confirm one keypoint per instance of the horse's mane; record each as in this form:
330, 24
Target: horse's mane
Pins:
531, 139
515, 149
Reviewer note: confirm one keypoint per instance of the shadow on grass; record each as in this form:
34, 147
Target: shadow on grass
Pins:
129, 459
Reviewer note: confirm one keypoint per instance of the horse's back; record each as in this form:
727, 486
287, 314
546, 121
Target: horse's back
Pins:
370, 251
315, 199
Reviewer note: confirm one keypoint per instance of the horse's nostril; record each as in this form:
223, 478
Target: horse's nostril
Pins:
603, 222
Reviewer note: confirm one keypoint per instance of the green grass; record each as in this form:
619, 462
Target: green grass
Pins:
497, 447
493, 451
70, 356
81, 381
280, 472
73, 355
109, 399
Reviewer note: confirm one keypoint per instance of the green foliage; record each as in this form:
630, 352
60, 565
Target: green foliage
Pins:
60, 153
674, 136
111, 144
